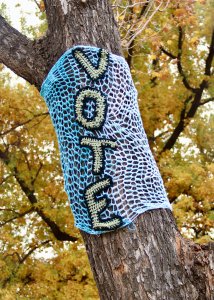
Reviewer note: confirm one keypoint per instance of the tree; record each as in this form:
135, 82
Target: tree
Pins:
153, 261
166, 104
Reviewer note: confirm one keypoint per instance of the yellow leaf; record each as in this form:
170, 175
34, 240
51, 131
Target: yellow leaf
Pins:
169, 42
153, 56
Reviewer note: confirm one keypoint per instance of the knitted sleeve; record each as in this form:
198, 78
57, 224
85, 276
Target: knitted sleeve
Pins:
110, 174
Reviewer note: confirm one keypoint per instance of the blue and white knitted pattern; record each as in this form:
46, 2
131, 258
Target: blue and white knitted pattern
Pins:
110, 174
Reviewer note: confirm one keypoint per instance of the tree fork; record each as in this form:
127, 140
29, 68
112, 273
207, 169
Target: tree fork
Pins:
152, 260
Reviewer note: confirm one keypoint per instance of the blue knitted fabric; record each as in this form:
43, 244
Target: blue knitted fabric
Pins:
110, 174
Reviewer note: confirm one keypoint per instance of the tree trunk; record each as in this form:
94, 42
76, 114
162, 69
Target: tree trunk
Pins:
150, 260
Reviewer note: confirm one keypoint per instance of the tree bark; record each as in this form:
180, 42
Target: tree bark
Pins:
19, 54
151, 260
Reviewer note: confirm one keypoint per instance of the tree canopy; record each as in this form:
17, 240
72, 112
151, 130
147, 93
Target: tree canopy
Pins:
42, 254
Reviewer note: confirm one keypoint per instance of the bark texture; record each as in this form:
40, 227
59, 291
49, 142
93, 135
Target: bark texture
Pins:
70, 22
19, 54
152, 260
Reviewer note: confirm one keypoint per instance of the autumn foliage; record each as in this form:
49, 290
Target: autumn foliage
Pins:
42, 254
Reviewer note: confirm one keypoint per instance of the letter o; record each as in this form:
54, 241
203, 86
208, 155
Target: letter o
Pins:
100, 108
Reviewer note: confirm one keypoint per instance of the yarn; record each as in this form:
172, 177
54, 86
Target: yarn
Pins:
110, 174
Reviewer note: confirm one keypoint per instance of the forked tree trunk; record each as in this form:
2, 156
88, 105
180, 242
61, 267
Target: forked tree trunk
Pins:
151, 260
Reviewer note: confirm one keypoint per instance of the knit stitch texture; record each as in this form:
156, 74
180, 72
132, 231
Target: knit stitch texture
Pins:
110, 174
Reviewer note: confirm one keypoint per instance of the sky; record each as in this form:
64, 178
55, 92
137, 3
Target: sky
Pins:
26, 8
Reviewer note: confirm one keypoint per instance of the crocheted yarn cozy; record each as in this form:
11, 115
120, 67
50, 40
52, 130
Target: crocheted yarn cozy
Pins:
110, 174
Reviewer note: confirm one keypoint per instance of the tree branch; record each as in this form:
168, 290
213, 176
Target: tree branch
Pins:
205, 101
23, 123
57, 232
155, 67
132, 44
32, 60
37, 173
37, 3
18, 215
30, 194
172, 56
179, 64
144, 8
32, 250
210, 56
179, 57
185, 115
21, 260
18, 53
178, 129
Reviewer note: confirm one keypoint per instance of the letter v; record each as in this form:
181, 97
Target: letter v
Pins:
93, 72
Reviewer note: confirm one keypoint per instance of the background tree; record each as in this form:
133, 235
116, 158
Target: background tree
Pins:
153, 261
180, 60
